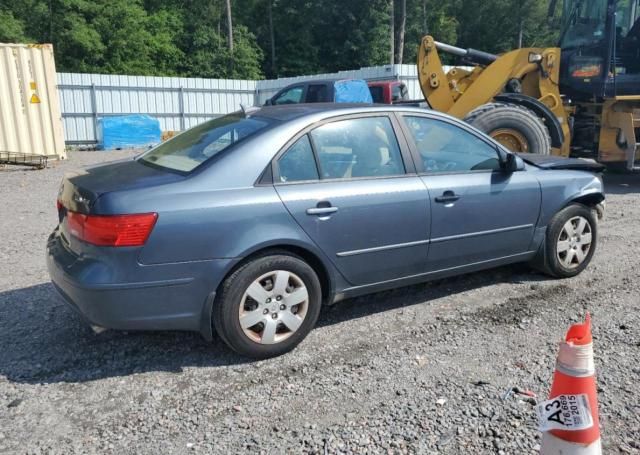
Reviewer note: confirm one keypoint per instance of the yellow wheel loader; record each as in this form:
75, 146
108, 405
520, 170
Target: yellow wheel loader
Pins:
582, 98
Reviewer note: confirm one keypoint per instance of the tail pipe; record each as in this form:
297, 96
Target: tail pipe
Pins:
475, 56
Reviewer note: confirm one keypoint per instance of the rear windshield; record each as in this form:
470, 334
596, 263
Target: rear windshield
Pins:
190, 149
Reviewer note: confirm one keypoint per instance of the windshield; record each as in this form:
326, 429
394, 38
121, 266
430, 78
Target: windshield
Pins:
190, 149
583, 22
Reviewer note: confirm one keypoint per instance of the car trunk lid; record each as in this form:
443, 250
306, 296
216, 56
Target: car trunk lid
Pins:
80, 190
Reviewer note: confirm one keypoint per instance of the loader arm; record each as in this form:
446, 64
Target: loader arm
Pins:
534, 71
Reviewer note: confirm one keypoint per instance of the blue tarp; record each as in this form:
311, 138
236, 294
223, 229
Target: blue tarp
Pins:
128, 131
353, 91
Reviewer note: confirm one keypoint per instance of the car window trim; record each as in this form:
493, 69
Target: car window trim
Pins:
416, 153
405, 146
409, 165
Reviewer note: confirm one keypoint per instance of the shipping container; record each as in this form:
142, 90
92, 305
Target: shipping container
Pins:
30, 117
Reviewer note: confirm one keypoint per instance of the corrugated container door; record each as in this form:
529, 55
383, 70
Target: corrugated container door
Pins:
30, 118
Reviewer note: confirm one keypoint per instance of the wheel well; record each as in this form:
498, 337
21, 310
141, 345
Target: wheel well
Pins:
306, 255
590, 200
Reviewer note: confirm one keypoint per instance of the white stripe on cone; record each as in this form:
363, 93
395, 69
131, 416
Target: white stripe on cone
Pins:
552, 445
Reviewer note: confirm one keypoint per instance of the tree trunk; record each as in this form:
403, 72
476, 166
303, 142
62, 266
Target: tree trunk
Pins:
229, 27
272, 39
425, 24
520, 33
392, 35
403, 26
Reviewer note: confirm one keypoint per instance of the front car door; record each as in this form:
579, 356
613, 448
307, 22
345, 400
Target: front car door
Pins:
352, 187
479, 213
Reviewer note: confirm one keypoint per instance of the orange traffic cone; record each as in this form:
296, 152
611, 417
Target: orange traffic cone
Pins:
569, 419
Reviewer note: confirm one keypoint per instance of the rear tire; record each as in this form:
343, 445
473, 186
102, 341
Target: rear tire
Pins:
570, 241
268, 306
515, 127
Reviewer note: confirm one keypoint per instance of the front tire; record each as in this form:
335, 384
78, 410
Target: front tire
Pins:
515, 127
570, 241
268, 306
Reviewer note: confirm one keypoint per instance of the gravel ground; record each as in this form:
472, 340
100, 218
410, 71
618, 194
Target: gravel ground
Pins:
422, 369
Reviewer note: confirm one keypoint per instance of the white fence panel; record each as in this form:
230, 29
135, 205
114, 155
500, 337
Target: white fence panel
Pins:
180, 103
177, 102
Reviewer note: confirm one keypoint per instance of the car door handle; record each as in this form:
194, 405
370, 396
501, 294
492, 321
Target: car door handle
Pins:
447, 197
323, 208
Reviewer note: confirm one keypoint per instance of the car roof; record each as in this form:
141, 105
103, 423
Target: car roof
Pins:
322, 81
384, 82
289, 112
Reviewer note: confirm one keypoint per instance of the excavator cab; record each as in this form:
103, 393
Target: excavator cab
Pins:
600, 44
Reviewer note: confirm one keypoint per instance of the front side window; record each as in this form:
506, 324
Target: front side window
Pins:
190, 149
291, 96
444, 147
298, 164
365, 147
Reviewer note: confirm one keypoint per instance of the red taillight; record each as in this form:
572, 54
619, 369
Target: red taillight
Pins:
59, 204
112, 230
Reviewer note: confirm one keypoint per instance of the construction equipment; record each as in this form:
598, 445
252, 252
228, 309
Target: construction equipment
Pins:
582, 98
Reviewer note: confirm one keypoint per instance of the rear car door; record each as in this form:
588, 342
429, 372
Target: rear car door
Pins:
352, 187
479, 213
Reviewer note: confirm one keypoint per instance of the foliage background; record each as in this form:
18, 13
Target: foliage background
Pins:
190, 37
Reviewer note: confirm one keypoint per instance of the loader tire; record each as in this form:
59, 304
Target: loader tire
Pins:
515, 127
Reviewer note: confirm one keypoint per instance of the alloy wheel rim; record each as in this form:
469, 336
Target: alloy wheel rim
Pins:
273, 307
574, 242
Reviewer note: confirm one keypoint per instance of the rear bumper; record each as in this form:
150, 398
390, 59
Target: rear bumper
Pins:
114, 292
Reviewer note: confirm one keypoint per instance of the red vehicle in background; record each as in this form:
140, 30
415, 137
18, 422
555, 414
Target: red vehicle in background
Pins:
393, 92
388, 92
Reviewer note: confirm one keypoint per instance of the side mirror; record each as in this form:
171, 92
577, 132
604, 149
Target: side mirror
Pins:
269, 102
511, 163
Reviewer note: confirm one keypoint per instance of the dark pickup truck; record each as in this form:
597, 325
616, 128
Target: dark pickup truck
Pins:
345, 91
323, 91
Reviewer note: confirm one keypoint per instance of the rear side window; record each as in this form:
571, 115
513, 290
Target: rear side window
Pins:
444, 147
377, 93
291, 96
364, 147
317, 93
190, 149
298, 163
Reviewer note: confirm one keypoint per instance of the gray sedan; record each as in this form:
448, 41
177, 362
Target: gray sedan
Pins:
249, 223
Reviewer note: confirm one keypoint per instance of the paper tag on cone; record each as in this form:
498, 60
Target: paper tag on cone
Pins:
565, 412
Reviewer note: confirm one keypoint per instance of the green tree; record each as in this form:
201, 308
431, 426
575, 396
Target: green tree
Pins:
191, 37
11, 28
